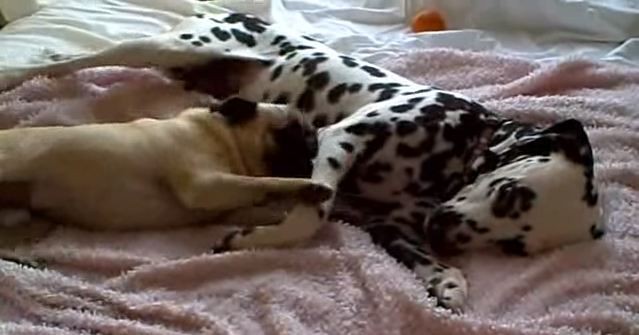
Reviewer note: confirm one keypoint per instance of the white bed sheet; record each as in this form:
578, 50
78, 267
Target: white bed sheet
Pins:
540, 29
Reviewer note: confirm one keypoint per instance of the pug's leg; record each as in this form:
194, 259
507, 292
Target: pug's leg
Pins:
307, 221
226, 192
268, 213
334, 160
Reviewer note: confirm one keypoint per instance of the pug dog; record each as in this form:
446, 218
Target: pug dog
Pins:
223, 163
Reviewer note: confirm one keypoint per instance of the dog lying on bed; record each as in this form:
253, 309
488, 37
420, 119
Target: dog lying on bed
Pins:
199, 166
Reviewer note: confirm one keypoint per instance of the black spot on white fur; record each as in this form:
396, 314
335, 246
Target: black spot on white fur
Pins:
319, 80
401, 108
306, 101
310, 65
306, 37
244, 38
386, 94
348, 61
373, 71
278, 39
291, 56
277, 72
250, 23
335, 94
382, 86
354, 88
347, 146
334, 163
403, 128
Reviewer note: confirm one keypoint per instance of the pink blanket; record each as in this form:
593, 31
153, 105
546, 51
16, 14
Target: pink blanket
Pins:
107, 94
167, 283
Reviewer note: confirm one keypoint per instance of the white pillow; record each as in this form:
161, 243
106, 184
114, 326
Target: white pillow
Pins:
71, 27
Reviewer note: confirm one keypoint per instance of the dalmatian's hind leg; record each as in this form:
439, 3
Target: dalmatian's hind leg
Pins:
443, 282
167, 52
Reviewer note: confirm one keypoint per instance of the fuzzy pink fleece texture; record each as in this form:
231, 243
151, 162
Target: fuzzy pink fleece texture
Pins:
105, 94
166, 282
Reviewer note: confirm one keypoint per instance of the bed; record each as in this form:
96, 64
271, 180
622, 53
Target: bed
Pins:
534, 61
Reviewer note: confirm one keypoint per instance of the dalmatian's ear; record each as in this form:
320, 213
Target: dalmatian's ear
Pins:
236, 110
569, 127
572, 140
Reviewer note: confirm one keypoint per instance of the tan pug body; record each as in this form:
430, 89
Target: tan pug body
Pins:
155, 173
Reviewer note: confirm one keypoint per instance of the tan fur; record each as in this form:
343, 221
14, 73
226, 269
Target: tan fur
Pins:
144, 174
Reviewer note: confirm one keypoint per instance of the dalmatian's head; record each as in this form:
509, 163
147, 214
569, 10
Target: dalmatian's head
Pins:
534, 191
272, 137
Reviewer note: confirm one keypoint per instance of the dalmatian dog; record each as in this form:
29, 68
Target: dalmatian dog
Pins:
443, 174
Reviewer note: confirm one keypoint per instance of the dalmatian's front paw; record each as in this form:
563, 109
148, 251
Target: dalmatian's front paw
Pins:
449, 287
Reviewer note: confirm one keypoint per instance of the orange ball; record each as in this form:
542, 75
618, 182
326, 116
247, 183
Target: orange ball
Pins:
428, 20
